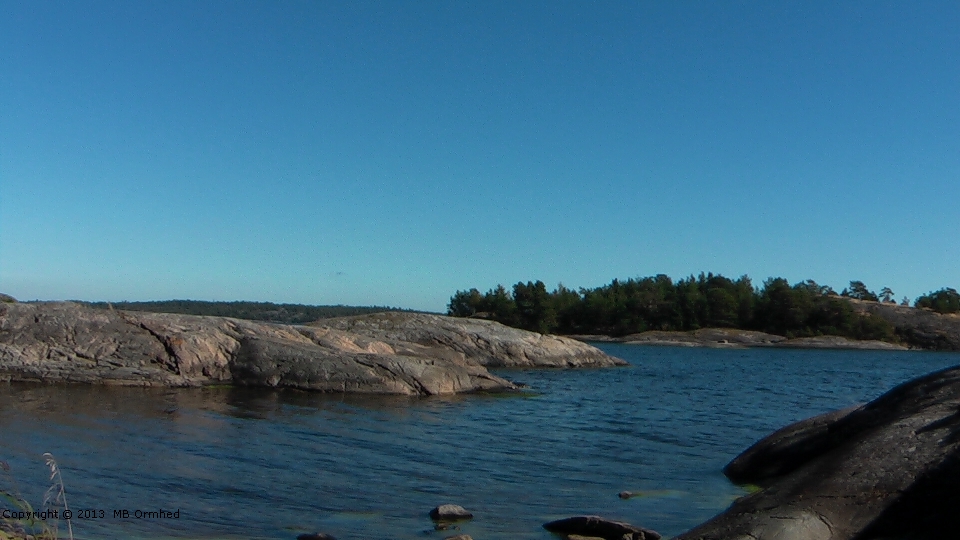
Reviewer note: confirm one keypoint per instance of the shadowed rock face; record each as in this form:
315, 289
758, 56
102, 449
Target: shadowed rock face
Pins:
66, 342
485, 343
889, 469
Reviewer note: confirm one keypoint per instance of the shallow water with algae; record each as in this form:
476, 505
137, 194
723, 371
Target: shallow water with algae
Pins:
250, 463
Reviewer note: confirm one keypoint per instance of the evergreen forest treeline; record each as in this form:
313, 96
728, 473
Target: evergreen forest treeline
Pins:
704, 301
257, 311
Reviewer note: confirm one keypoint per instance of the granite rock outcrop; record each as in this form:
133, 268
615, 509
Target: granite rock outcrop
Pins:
67, 342
486, 343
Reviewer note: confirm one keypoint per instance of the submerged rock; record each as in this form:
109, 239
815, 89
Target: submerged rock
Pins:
450, 512
887, 469
598, 527
315, 536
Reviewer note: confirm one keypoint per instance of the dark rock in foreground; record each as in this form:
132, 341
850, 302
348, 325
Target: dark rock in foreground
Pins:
889, 469
67, 342
780, 452
598, 527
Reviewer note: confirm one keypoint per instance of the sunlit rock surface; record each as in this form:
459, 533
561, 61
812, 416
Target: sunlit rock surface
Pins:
67, 342
480, 341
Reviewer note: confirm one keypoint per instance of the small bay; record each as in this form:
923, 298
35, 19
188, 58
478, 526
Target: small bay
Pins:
257, 463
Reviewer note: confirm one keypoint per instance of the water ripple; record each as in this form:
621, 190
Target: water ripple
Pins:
247, 463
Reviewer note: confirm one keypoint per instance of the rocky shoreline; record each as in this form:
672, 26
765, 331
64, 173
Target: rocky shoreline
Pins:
390, 353
919, 327
730, 338
916, 328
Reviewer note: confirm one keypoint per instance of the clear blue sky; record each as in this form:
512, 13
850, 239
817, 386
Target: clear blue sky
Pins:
394, 152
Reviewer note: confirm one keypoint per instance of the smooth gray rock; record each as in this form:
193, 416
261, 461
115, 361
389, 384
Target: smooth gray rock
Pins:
889, 469
66, 342
481, 342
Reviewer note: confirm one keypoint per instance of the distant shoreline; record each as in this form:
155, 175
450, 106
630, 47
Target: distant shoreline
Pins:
729, 338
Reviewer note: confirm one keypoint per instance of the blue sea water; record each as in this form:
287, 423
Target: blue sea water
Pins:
250, 463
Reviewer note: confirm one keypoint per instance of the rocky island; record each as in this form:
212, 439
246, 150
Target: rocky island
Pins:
398, 353
712, 310
916, 328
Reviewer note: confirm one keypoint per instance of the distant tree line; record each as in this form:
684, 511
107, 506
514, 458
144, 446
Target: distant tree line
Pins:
704, 301
258, 311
